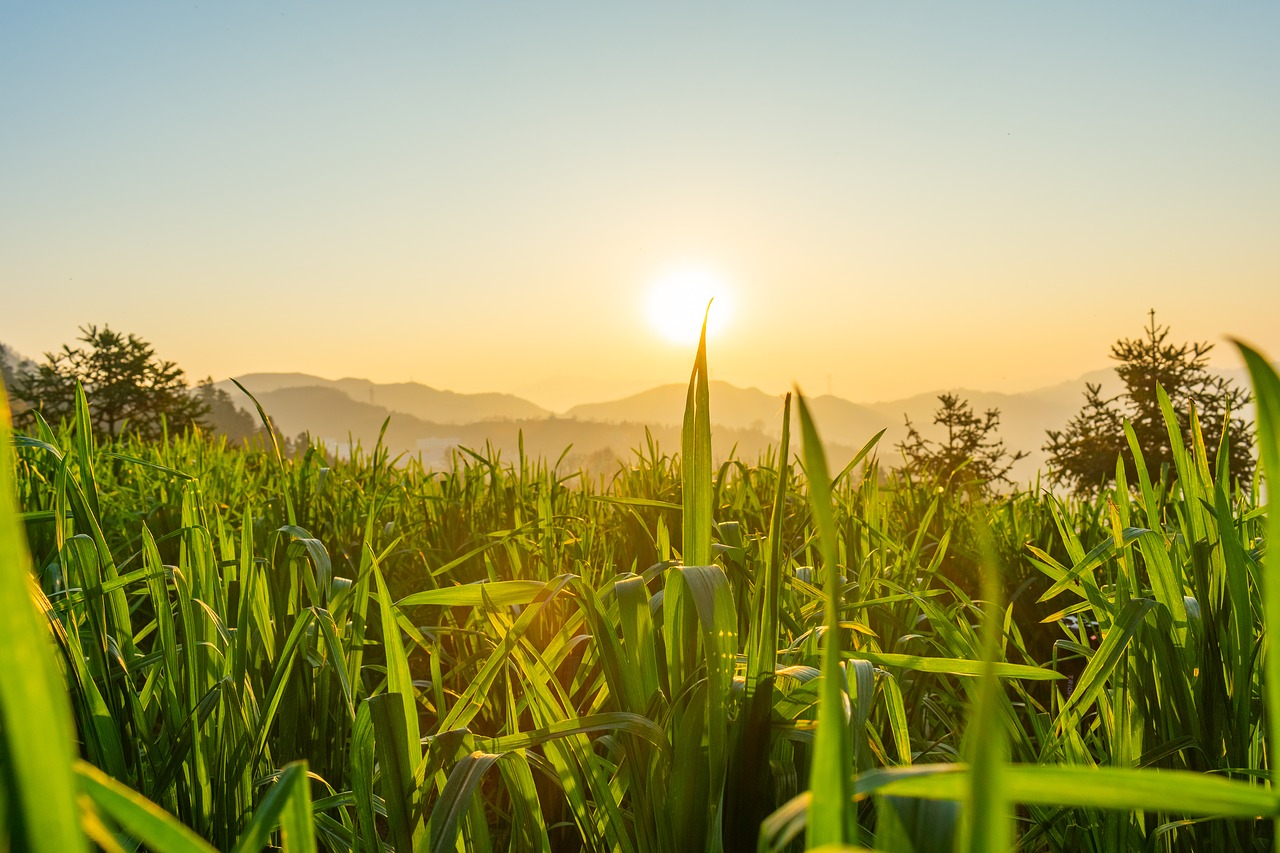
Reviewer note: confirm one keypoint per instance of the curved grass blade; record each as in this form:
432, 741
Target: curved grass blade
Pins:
455, 799
1266, 391
501, 593
1104, 660
140, 817
37, 733
287, 805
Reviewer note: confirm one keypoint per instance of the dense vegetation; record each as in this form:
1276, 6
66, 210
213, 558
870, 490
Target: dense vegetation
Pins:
246, 649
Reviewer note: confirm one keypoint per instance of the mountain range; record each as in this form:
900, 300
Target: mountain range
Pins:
433, 422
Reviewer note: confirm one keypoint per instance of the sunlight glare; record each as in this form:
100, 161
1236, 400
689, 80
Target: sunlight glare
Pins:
678, 300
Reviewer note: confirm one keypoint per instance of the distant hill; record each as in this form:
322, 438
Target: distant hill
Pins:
730, 405
1025, 417
431, 422
336, 420
411, 398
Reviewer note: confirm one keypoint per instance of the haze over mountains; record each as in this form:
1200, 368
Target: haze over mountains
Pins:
433, 422
412, 398
430, 421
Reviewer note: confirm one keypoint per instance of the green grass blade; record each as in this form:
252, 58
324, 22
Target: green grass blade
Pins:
679, 630
141, 818
988, 819
501, 593
953, 666
287, 806
362, 763
695, 439
386, 711
1178, 792
37, 726
1266, 390
275, 448
399, 679
455, 799
830, 816
1108, 655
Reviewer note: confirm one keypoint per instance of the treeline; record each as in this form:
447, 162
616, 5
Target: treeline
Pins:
131, 390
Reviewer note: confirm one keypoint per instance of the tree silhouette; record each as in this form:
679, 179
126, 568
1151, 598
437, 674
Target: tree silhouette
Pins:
128, 388
1084, 453
223, 415
971, 457
11, 366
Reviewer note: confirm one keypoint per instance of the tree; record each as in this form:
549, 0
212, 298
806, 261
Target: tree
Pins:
970, 458
127, 387
12, 366
223, 415
1084, 454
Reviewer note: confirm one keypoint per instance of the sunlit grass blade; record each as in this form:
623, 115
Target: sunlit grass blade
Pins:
399, 679
988, 824
287, 806
954, 666
528, 824
696, 488
1266, 389
139, 817
695, 461
274, 440
1115, 788
501, 593
1109, 654
37, 731
831, 819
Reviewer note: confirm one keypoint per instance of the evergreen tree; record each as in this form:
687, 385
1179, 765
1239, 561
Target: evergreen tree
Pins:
971, 457
127, 387
1083, 455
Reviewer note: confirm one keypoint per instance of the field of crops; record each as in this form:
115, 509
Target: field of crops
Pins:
203, 646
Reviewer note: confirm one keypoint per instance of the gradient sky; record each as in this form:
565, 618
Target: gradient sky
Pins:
479, 196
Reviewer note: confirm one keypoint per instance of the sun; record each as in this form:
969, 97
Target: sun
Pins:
678, 301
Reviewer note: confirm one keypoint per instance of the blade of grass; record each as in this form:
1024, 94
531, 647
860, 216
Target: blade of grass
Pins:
831, 820
141, 818
288, 806
37, 722
988, 820
1266, 390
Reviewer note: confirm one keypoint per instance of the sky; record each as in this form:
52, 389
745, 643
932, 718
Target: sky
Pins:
884, 199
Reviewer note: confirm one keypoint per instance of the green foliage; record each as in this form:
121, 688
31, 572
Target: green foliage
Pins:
37, 792
971, 458
128, 387
1083, 454
270, 650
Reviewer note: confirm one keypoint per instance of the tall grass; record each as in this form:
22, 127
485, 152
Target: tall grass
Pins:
248, 650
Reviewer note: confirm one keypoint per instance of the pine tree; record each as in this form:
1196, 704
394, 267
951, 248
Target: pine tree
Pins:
971, 457
1083, 455
127, 387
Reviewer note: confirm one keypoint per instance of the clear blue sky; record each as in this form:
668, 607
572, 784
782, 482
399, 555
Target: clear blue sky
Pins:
896, 197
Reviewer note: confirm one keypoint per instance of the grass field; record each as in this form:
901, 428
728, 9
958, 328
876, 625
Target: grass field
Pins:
203, 646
